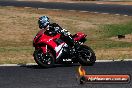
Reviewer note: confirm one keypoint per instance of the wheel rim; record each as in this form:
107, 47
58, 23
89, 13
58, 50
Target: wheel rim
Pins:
86, 54
43, 58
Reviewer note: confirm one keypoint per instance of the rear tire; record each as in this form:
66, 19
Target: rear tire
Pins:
44, 60
86, 55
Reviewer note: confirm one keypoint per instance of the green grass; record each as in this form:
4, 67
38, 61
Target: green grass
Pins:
117, 29
102, 41
107, 44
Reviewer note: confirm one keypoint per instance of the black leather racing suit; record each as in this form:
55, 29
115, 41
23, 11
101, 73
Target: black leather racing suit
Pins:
66, 36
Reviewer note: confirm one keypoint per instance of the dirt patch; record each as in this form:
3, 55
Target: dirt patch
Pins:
17, 57
113, 54
128, 38
23, 22
19, 26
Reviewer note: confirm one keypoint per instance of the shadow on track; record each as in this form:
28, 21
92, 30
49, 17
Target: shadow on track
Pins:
55, 66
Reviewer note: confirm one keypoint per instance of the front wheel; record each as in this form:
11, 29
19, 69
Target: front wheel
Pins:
44, 60
86, 55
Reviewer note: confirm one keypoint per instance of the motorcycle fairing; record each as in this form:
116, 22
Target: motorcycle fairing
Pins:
49, 41
79, 36
59, 49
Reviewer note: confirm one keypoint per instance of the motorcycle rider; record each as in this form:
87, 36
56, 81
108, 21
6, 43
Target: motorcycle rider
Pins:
44, 24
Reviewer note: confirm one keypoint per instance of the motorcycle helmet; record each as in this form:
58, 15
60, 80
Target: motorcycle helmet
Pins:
43, 22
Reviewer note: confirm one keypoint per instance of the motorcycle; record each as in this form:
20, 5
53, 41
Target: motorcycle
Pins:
50, 49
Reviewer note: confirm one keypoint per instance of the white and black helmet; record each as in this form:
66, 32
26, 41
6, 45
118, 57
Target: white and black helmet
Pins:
43, 22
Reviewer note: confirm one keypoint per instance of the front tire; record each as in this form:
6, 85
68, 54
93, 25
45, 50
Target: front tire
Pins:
86, 55
44, 60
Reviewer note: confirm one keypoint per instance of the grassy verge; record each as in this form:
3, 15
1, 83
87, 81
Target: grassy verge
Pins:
18, 26
110, 30
117, 29
111, 49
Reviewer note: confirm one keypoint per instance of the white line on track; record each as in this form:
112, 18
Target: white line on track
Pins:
117, 14
9, 6
125, 15
84, 11
99, 3
104, 13
57, 9
74, 10
41, 8
95, 12
27, 7
113, 60
10, 65
28, 64
77, 10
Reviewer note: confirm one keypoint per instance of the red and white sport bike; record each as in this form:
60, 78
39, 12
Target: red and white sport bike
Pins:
50, 49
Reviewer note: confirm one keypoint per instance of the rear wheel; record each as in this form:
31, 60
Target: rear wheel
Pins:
86, 55
44, 60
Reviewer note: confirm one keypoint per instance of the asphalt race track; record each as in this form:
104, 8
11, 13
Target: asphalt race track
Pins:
60, 76
112, 9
